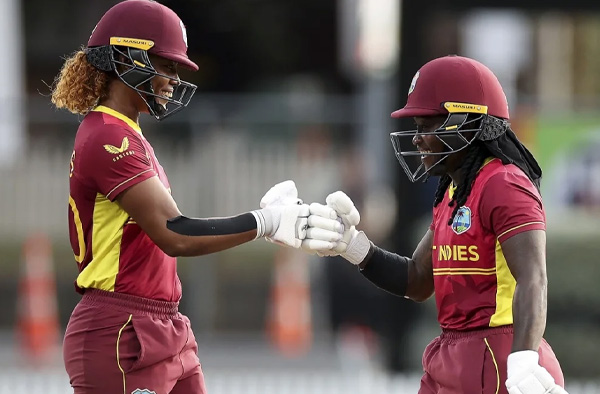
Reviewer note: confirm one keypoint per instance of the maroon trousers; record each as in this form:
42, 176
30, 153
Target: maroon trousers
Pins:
117, 343
475, 362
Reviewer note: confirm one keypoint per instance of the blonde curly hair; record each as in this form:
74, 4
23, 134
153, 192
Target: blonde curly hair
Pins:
79, 86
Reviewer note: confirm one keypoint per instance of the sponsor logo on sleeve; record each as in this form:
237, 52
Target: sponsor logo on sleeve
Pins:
121, 151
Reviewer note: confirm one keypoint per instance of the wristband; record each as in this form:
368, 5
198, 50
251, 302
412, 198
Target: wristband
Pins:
358, 248
260, 223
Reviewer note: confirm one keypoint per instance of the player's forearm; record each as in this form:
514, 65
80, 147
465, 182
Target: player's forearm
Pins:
207, 244
529, 314
402, 276
396, 274
197, 236
386, 270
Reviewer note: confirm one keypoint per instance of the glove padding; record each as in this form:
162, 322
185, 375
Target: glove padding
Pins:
324, 231
526, 376
283, 218
332, 229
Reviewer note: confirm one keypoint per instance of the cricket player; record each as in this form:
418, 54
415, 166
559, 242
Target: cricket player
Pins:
484, 253
126, 334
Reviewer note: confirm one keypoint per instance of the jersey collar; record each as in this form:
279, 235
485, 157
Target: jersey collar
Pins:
452, 187
118, 115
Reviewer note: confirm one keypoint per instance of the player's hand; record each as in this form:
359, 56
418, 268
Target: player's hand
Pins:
283, 218
324, 222
325, 230
526, 376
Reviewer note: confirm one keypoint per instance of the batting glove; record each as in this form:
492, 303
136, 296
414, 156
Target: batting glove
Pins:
283, 218
526, 376
332, 229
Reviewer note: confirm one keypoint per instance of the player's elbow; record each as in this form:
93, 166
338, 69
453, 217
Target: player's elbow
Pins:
185, 246
172, 247
421, 296
420, 282
170, 250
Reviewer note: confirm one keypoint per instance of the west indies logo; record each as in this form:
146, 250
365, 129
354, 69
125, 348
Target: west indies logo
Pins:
462, 220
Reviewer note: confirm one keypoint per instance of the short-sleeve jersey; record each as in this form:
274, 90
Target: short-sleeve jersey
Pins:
474, 287
112, 252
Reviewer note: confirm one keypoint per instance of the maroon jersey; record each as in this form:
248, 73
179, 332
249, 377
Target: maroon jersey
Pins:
474, 287
112, 252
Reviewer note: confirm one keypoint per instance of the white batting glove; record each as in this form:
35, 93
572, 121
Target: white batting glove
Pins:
324, 231
526, 376
353, 245
283, 218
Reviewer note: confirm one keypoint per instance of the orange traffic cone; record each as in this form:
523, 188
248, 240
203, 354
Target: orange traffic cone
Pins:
289, 325
37, 323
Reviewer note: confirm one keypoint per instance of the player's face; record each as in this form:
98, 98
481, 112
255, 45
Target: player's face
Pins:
163, 86
430, 143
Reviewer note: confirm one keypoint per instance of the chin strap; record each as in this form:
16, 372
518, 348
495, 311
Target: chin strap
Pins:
157, 110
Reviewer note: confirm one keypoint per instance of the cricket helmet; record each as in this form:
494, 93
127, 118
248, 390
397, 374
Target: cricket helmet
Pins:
122, 40
464, 90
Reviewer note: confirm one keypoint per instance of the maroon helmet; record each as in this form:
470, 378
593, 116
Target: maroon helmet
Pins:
461, 88
132, 29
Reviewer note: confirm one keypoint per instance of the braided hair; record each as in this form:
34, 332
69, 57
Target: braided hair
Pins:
476, 155
496, 140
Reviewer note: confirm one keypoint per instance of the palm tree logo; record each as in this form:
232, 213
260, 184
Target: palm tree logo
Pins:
462, 220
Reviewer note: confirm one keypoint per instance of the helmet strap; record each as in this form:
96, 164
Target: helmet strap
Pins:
156, 109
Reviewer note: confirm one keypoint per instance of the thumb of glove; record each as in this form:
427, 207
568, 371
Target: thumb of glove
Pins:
283, 191
344, 207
